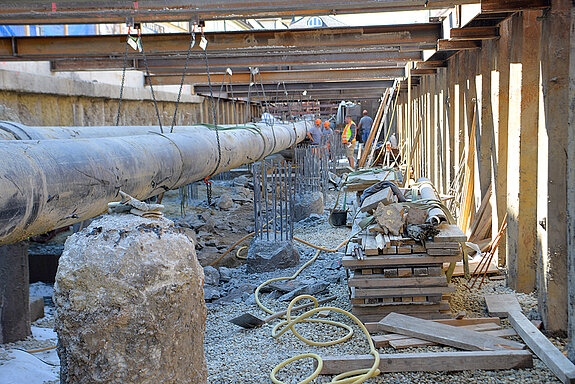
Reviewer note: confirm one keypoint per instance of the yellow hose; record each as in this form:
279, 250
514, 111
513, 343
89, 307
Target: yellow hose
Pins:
42, 349
356, 376
238, 253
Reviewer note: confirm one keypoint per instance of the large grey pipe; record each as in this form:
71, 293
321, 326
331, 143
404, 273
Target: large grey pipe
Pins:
47, 184
15, 131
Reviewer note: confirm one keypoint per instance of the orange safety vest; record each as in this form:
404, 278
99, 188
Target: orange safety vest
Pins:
346, 134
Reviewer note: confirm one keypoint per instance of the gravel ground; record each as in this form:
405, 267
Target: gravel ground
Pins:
235, 355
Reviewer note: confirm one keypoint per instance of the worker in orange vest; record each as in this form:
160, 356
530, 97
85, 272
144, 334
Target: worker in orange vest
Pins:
348, 138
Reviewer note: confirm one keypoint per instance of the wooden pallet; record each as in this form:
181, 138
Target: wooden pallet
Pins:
422, 259
378, 281
427, 315
365, 293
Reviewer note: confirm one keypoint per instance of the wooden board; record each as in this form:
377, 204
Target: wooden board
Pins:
442, 245
430, 361
377, 328
400, 307
445, 334
507, 305
370, 246
412, 342
393, 339
418, 248
543, 348
397, 260
436, 315
449, 233
443, 252
472, 265
378, 281
500, 305
394, 292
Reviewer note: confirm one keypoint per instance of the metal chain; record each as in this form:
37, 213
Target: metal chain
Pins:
123, 79
192, 43
150, 81
213, 109
208, 190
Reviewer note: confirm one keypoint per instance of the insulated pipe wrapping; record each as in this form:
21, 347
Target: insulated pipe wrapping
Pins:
48, 184
434, 215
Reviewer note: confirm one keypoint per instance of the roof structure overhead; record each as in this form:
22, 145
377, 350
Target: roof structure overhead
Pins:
419, 36
83, 11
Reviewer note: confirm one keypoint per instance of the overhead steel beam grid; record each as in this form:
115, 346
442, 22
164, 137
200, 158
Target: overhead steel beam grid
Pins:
231, 61
53, 47
109, 11
348, 74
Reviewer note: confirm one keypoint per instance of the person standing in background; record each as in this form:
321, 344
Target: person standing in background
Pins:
348, 139
315, 133
365, 126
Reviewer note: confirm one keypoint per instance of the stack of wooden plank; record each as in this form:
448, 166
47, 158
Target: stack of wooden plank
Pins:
398, 274
481, 339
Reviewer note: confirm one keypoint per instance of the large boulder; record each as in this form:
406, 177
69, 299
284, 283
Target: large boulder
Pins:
266, 256
130, 304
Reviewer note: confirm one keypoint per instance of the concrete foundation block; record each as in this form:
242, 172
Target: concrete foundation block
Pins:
266, 256
130, 304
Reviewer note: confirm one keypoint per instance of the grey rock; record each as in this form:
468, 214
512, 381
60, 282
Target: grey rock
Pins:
332, 277
334, 265
242, 193
225, 274
241, 181
274, 295
209, 222
312, 289
211, 293
250, 300
237, 293
287, 286
306, 204
211, 276
130, 301
225, 201
266, 256
207, 255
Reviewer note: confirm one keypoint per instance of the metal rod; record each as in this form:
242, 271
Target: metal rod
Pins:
281, 198
274, 200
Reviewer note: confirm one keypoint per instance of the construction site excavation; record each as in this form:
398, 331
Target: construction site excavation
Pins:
345, 192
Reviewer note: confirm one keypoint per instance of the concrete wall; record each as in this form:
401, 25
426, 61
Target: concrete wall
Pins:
34, 99
501, 114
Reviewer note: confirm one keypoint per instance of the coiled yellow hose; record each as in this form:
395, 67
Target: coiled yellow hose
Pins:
356, 376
